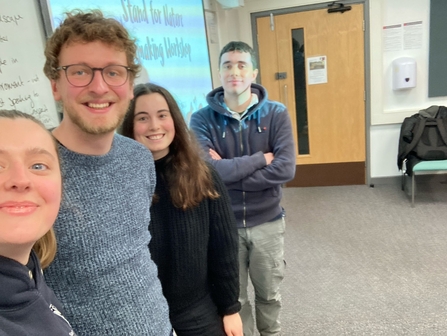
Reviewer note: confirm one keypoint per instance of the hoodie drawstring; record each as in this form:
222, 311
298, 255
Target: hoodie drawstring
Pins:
224, 127
258, 122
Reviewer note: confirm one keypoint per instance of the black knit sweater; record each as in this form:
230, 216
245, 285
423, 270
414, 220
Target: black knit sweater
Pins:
196, 250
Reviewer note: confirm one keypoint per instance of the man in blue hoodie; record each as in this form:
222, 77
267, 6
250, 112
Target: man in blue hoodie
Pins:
248, 139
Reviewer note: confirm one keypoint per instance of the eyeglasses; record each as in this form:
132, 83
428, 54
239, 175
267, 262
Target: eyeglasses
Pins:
82, 75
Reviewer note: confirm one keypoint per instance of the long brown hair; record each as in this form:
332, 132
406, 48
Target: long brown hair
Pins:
46, 246
188, 175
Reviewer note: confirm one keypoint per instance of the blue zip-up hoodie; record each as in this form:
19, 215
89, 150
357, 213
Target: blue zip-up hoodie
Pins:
254, 187
28, 307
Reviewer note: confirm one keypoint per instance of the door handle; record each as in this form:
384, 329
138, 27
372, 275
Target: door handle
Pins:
286, 98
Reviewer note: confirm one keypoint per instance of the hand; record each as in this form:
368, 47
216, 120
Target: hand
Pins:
214, 155
233, 325
268, 158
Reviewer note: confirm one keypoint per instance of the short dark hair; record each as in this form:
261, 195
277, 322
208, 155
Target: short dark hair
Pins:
241, 47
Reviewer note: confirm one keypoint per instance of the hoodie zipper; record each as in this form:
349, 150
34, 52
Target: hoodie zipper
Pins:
243, 192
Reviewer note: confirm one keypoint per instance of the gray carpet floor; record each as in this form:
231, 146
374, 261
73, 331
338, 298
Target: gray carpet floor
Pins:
361, 261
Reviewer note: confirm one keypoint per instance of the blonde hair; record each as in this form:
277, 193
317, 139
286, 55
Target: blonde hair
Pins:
45, 248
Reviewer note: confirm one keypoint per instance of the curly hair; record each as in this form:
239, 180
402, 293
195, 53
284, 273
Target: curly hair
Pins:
188, 175
85, 27
46, 246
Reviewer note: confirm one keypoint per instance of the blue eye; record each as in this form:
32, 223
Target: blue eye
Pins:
39, 166
78, 71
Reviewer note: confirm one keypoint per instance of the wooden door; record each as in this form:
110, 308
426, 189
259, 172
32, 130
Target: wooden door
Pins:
332, 132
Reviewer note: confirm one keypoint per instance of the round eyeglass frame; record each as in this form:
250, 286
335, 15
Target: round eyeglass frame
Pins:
66, 67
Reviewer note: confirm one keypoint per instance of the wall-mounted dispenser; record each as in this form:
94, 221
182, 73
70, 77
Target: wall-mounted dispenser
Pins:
404, 73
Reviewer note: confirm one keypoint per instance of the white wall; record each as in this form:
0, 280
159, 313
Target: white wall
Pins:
399, 104
387, 108
383, 150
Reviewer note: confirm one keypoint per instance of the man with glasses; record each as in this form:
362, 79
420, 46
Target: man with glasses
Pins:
82, 75
103, 273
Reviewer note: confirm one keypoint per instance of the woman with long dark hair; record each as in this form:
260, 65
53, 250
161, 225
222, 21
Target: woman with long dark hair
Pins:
194, 235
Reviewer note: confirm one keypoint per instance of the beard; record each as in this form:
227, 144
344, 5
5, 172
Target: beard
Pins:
98, 126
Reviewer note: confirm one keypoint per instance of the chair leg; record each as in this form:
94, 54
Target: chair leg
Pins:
402, 181
412, 190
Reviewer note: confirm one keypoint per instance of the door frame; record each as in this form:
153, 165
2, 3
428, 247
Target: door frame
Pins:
367, 61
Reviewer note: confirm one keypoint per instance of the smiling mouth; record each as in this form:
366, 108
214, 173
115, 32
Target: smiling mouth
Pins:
98, 106
155, 137
19, 210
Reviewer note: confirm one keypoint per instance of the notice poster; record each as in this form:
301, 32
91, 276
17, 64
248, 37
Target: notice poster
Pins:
413, 35
392, 37
317, 70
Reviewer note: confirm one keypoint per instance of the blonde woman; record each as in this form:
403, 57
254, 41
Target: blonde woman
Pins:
30, 195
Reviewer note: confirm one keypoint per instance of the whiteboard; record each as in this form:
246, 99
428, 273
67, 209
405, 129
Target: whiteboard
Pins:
23, 85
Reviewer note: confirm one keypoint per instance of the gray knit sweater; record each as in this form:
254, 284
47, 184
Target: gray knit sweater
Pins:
103, 273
